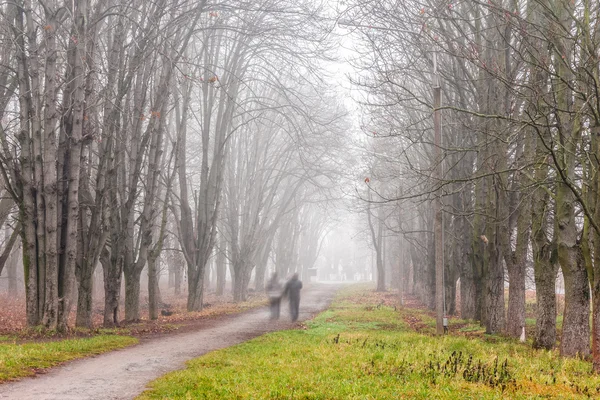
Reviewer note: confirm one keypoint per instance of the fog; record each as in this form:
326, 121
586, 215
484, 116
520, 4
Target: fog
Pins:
190, 150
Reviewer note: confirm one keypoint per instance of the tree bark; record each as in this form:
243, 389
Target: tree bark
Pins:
85, 301
153, 291
516, 299
132, 295
112, 268
575, 339
74, 166
221, 268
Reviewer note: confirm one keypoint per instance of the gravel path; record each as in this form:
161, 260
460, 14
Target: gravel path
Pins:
123, 374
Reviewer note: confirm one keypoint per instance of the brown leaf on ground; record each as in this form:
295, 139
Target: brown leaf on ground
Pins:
13, 318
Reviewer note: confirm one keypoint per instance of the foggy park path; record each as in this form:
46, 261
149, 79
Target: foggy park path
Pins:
123, 374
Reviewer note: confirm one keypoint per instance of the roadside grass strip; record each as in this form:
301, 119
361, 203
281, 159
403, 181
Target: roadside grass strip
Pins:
21, 360
362, 349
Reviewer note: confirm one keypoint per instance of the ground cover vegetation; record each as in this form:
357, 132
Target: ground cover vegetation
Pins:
21, 360
366, 347
482, 119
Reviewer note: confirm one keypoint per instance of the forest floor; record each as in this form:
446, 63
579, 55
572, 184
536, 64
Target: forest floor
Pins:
124, 373
13, 325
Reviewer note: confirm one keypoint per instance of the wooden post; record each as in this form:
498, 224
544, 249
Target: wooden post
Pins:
437, 203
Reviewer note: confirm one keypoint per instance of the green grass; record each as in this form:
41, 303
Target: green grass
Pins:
359, 349
20, 360
7, 338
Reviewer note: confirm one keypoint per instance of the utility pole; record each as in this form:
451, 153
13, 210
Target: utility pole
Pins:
437, 202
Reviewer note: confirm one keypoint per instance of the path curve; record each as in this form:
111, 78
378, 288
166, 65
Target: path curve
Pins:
123, 374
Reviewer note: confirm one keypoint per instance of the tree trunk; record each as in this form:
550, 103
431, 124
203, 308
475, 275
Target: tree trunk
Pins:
195, 290
132, 295
596, 327
153, 291
517, 265
112, 288
575, 339
494, 321
466, 264
516, 300
450, 292
221, 271
74, 164
377, 238
13, 287
84, 300
545, 266
475, 276
545, 295
243, 272
178, 280
261, 268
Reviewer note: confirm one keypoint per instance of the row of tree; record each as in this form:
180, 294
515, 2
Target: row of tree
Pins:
521, 123
131, 124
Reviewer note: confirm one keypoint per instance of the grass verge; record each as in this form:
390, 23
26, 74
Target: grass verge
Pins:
362, 348
20, 360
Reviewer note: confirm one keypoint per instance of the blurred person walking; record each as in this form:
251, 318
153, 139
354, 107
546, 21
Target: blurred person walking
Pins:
274, 293
292, 290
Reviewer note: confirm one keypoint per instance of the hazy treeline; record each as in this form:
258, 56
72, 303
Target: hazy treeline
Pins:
132, 126
520, 124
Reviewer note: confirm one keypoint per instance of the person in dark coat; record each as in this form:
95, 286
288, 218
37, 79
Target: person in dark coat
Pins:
274, 293
292, 290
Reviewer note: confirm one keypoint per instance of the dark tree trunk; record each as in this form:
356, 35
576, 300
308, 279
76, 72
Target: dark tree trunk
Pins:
575, 339
466, 263
545, 294
195, 288
596, 325
132, 295
494, 321
476, 275
243, 272
84, 299
450, 292
153, 291
545, 265
516, 300
112, 268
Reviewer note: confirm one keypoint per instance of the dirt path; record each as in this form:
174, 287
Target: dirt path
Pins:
123, 374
